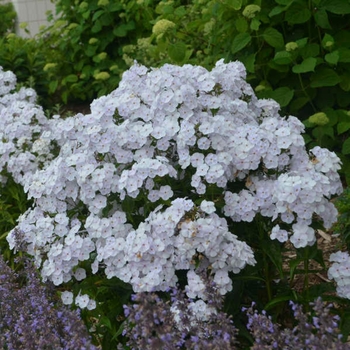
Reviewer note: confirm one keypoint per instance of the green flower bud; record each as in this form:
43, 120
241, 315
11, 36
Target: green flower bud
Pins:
251, 10
102, 55
102, 76
93, 41
162, 26
103, 3
291, 46
319, 118
84, 5
73, 25
49, 66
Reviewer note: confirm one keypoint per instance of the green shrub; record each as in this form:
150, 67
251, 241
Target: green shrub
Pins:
295, 51
23, 56
85, 55
8, 17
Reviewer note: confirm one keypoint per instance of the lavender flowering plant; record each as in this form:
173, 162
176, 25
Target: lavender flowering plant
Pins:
30, 316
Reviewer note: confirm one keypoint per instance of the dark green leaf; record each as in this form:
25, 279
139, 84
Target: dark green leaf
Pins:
273, 37
321, 18
324, 77
283, 57
297, 13
249, 63
345, 83
72, 78
177, 51
284, 2
97, 14
282, 95
310, 50
277, 10
96, 27
278, 300
344, 55
240, 41
308, 65
53, 86
343, 127
346, 146
332, 57
241, 25
339, 7
235, 4
180, 11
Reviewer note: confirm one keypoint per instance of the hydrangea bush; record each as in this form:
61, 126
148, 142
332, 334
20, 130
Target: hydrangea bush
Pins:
153, 179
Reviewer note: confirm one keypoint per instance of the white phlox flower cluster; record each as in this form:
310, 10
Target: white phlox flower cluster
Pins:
21, 119
128, 188
340, 273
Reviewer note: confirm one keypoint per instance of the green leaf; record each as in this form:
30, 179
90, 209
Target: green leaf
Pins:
249, 63
343, 127
241, 25
277, 10
97, 14
302, 42
255, 24
332, 57
308, 65
321, 19
72, 78
96, 27
177, 51
273, 37
180, 11
235, 4
339, 7
344, 55
278, 300
121, 30
53, 86
345, 83
346, 146
324, 77
282, 95
310, 50
297, 13
327, 41
240, 41
283, 57
284, 2
319, 131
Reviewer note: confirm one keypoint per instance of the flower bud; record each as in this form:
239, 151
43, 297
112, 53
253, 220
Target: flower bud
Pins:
162, 26
251, 10
102, 76
291, 46
319, 118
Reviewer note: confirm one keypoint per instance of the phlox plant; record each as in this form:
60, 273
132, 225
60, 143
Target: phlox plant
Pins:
178, 170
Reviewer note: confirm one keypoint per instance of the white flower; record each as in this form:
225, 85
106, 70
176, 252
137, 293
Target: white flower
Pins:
208, 206
67, 297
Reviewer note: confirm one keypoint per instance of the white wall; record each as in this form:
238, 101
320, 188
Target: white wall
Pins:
32, 12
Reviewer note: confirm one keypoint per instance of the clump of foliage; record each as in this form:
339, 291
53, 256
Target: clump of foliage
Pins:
8, 18
85, 43
295, 51
24, 56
